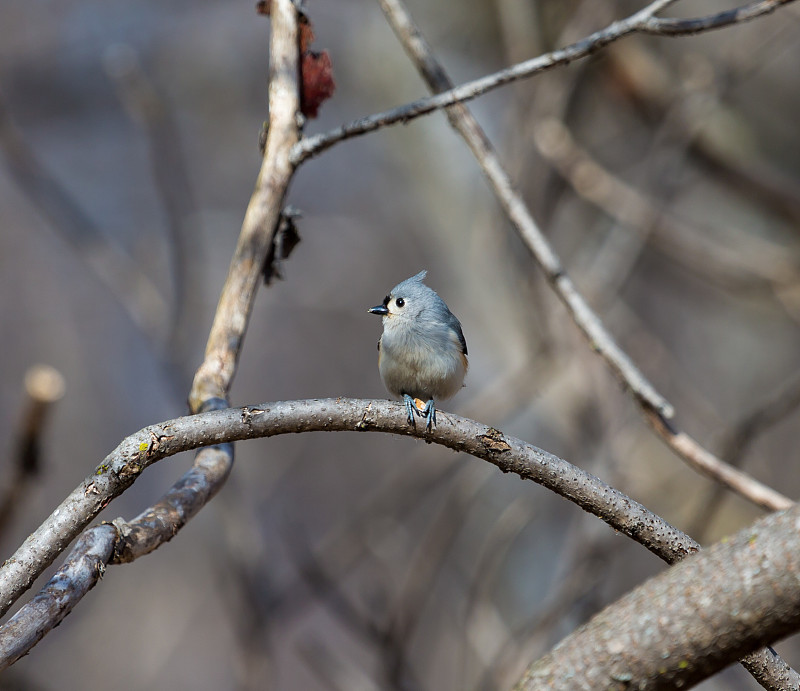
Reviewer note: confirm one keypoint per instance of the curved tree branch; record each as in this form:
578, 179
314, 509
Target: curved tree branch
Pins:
124, 465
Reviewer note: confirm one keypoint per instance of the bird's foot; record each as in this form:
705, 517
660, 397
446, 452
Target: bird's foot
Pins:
429, 411
414, 406
411, 409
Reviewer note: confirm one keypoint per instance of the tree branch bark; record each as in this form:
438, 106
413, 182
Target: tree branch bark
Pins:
690, 621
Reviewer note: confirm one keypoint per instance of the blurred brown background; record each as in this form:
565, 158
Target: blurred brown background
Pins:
665, 172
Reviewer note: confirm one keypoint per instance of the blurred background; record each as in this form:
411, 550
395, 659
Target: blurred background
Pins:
664, 171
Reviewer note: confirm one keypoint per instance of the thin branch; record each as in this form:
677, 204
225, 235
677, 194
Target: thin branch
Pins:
657, 410
738, 441
685, 27
124, 465
643, 21
755, 262
146, 107
690, 621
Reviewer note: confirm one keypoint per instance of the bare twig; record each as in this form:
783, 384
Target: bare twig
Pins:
690, 621
657, 410
169, 170
642, 21
684, 27
754, 262
44, 385
653, 89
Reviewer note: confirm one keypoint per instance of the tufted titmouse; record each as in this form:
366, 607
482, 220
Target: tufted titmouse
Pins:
422, 353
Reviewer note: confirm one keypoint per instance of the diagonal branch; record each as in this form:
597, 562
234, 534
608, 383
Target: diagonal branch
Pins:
159, 523
657, 410
642, 21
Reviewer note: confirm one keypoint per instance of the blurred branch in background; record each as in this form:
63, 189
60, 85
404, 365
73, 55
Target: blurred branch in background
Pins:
44, 386
722, 138
739, 440
116, 271
749, 262
148, 109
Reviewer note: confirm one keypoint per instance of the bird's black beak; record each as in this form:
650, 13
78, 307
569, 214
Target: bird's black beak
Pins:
382, 310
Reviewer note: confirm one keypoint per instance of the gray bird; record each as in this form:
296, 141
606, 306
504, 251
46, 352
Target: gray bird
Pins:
422, 353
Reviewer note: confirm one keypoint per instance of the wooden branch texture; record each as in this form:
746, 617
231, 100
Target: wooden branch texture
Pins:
689, 622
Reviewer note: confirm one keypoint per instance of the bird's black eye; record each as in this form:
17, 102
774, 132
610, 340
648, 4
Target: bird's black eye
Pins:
400, 302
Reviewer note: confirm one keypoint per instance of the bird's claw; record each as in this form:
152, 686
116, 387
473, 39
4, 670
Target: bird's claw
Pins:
428, 412
411, 409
